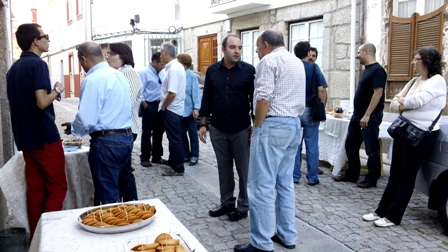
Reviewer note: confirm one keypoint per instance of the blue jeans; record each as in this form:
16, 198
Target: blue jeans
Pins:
173, 129
271, 163
311, 137
191, 149
369, 136
110, 164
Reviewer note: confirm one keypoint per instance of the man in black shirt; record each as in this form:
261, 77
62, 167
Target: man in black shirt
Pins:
365, 122
227, 96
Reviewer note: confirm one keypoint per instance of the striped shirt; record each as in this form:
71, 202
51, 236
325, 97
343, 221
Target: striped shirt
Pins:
135, 85
280, 79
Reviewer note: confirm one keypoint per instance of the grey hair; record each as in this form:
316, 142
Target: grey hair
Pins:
169, 48
273, 37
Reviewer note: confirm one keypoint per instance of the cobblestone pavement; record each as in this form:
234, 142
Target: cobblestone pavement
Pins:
333, 210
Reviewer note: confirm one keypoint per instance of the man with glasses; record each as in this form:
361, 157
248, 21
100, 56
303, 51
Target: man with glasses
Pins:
366, 119
152, 124
32, 117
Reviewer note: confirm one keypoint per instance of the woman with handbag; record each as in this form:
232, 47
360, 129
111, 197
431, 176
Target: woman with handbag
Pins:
420, 102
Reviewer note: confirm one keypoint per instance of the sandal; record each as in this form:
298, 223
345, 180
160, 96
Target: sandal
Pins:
193, 162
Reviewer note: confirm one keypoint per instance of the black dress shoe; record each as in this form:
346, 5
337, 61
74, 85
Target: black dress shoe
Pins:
236, 215
366, 184
160, 161
220, 211
277, 240
248, 248
343, 178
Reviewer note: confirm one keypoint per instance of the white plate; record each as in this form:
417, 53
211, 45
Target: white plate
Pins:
114, 229
128, 244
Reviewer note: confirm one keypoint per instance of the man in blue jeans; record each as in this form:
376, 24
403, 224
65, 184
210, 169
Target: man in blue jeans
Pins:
309, 125
279, 100
171, 107
105, 114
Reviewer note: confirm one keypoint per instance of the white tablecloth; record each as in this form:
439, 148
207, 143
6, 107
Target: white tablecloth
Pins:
13, 185
60, 231
332, 135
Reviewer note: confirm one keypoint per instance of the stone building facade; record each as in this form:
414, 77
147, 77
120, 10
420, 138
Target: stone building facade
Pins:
6, 137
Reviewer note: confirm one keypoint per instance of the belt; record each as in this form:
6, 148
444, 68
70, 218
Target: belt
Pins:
110, 132
157, 102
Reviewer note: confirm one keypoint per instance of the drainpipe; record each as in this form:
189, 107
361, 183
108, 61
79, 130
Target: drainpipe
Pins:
9, 32
354, 46
91, 22
361, 39
353, 54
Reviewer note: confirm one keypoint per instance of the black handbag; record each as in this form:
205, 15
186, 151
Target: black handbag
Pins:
405, 132
317, 106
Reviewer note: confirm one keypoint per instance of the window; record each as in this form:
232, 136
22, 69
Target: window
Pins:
79, 9
405, 8
249, 51
311, 31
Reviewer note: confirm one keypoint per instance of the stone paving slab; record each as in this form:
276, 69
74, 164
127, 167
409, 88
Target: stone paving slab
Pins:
330, 210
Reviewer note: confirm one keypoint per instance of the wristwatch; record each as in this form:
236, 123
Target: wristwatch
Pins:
58, 90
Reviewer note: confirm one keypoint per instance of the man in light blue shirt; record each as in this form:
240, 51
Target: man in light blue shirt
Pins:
104, 112
152, 123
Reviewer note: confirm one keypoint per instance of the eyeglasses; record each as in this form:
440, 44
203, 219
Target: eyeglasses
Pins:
160, 81
44, 36
110, 53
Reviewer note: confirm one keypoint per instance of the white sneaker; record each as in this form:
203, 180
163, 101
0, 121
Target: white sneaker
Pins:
383, 222
370, 217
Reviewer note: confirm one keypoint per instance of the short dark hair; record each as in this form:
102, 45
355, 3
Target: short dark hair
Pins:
431, 59
273, 37
224, 41
314, 49
25, 35
124, 51
155, 57
301, 49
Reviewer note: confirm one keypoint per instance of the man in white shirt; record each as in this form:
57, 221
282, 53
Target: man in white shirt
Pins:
172, 107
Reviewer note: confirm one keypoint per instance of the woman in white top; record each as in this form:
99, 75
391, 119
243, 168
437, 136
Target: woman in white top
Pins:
420, 101
119, 56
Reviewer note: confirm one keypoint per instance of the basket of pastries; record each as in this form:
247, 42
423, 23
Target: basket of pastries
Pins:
117, 218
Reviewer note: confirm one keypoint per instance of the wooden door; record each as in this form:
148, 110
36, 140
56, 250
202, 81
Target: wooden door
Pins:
207, 52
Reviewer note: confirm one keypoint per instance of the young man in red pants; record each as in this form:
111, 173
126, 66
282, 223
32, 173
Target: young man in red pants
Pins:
32, 117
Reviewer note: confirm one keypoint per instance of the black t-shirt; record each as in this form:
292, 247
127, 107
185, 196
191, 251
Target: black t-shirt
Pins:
228, 95
374, 76
31, 126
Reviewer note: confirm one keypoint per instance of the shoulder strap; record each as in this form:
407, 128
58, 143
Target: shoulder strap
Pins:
435, 121
313, 80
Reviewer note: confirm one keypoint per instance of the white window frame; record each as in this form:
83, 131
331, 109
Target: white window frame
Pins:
249, 43
420, 7
306, 33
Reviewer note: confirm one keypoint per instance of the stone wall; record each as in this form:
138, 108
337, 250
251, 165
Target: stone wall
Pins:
6, 146
336, 48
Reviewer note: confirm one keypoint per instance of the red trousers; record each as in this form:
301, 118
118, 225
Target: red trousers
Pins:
46, 181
